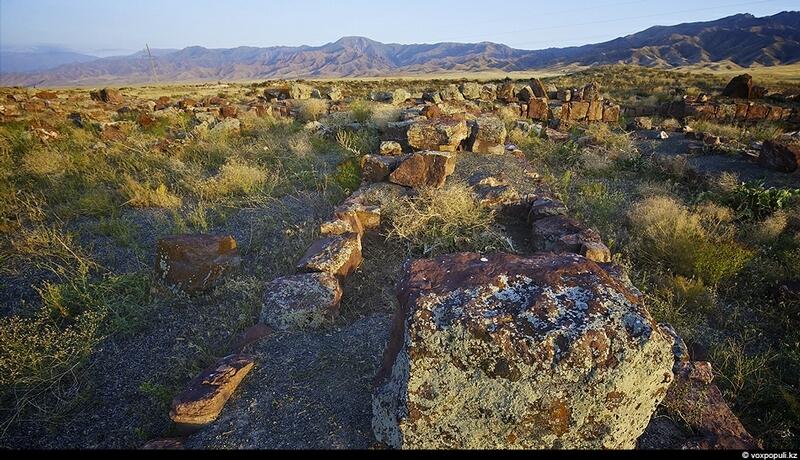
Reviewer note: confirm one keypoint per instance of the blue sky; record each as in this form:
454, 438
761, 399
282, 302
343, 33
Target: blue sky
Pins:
107, 27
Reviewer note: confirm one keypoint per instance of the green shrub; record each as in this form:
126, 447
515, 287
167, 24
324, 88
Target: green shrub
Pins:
361, 111
753, 201
687, 242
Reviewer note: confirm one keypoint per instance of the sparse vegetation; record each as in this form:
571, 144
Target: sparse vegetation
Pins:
440, 221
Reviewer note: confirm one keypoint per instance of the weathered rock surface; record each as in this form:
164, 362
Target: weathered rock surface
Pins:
440, 134
424, 169
780, 155
300, 91
502, 351
470, 90
307, 300
202, 402
107, 95
538, 88
538, 109
375, 168
695, 399
492, 191
391, 148
194, 263
739, 87
488, 136
336, 254
561, 234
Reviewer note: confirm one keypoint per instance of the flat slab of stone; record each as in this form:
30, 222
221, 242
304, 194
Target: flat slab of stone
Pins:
307, 300
503, 351
202, 402
194, 263
424, 169
336, 254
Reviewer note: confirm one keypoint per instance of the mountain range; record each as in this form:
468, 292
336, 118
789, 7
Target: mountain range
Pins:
741, 40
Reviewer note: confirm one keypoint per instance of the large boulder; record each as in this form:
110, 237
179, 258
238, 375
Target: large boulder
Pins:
424, 169
206, 395
440, 134
488, 135
739, 87
503, 351
335, 254
194, 263
780, 155
307, 300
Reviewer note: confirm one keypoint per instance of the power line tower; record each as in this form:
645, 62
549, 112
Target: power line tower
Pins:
152, 62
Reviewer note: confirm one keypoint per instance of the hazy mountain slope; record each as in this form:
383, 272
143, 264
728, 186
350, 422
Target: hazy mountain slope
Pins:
741, 39
32, 61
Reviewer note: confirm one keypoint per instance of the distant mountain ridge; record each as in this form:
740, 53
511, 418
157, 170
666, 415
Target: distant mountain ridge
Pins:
742, 39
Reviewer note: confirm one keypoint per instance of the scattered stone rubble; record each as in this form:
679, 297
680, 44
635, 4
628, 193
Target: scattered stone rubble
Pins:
553, 350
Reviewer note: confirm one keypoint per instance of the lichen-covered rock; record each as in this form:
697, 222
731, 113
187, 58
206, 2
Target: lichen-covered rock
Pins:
424, 169
491, 191
470, 90
591, 92
506, 92
207, 394
488, 135
336, 254
503, 351
307, 300
538, 109
347, 223
438, 134
611, 113
194, 263
451, 93
391, 148
359, 206
300, 91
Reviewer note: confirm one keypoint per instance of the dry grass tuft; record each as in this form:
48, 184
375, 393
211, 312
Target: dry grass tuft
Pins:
444, 220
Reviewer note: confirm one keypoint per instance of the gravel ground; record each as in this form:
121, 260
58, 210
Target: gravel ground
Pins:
714, 164
308, 390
